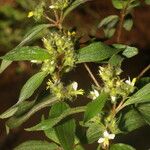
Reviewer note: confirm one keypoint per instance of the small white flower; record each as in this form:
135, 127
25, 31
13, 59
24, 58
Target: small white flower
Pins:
105, 139
75, 85
52, 62
113, 98
52, 7
130, 82
94, 94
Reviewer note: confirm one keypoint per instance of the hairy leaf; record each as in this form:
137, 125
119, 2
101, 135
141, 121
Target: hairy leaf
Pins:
131, 120
141, 96
144, 109
65, 131
27, 53
95, 52
31, 85
95, 107
37, 145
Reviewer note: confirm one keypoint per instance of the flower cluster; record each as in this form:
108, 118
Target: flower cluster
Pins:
64, 92
61, 48
37, 13
114, 85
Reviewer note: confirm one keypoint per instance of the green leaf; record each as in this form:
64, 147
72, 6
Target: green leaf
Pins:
147, 2
73, 5
27, 38
141, 96
51, 122
95, 52
109, 21
121, 146
128, 24
144, 109
51, 134
130, 51
94, 132
31, 85
16, 121
27, 53
117, 4
95, 107
32, 33
116, 60
109, 32
65, 131
37, 145
4, 65
131, 120
9, 112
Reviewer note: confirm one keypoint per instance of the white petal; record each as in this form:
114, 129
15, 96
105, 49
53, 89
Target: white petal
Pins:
101, 140
111, 136
113, 98
96, 93
75, 85
106, 134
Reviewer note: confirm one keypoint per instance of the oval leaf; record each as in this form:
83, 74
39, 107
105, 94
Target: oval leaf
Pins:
31, 85
95, 52
27, 53
37, 145
95, 107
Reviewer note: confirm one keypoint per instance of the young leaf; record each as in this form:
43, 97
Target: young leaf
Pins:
95, 52
141, 96
95, 107
130, 51
73, 5
109, 21
31, 85
37, 145
144, 109
128, 24
116, 60
65, 131
121, 146
27, 53
9, 112
131, 120
109, 32
117, 4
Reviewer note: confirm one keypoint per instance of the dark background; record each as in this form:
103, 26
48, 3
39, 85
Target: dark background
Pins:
85, 19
